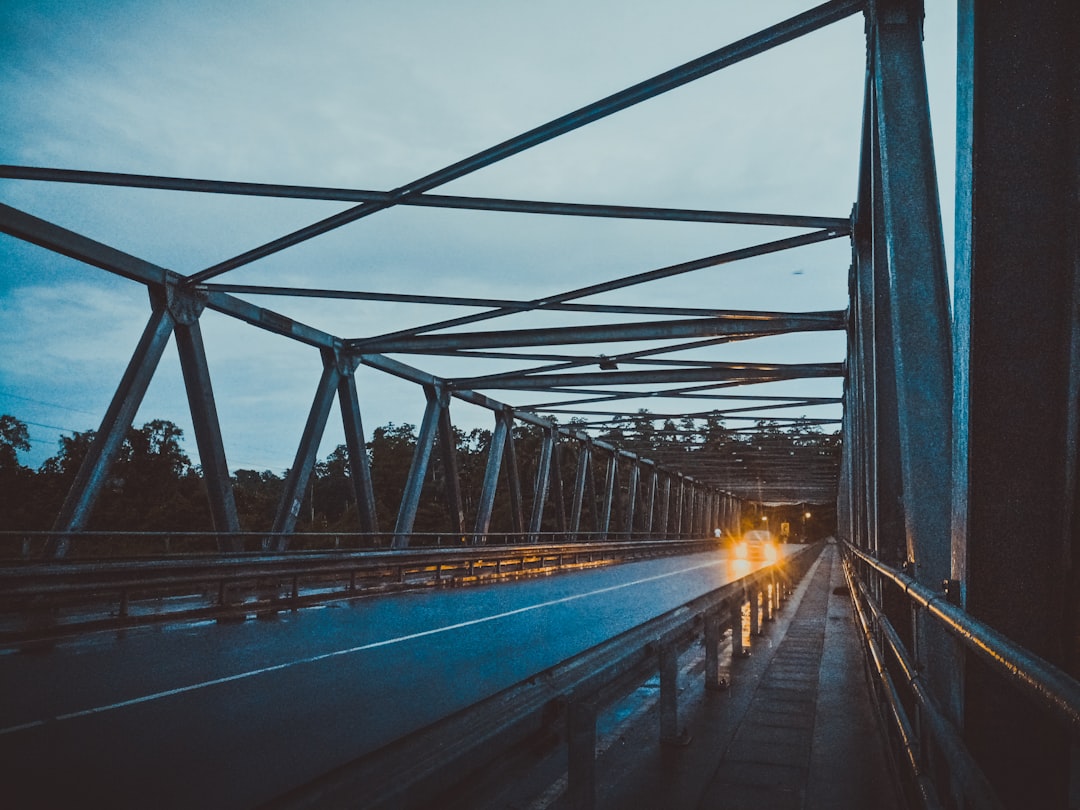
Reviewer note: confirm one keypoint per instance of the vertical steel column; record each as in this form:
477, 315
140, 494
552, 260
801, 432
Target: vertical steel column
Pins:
557, 498
583, 471
204, 417
79, 503
650, 512
679, 508
610, 487
297, 479
414, 484
631, 497
1017, 376
918, 296
513, 475
491, 478
541, 486
591, 495
359, 463
665, 506
452, 481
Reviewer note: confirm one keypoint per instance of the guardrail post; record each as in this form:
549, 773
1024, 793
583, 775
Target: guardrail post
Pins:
714, 677
670, 733
755, 610
735, 619
581, 755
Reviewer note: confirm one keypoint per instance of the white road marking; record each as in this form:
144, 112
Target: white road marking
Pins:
370, 646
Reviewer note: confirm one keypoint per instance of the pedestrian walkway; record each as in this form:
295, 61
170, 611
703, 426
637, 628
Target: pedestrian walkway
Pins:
796, 730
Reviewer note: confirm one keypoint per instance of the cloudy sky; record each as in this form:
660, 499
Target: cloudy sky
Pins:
372, 95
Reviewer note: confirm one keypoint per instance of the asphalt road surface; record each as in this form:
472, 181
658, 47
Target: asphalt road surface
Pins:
231, 715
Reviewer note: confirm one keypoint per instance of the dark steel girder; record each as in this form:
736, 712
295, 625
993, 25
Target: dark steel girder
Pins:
81, 248
423, 200
744, 372
752, 45
456, 301
729, 323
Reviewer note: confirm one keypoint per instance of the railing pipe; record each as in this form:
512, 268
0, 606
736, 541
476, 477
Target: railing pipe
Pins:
1050, 687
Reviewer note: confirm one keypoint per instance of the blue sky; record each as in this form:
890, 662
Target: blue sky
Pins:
375, 94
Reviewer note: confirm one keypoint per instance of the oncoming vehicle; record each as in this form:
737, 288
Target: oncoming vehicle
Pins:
757, 544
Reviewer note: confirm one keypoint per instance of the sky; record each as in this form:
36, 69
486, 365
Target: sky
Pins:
373, 95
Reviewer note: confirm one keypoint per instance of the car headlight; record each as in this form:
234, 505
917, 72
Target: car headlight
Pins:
740, 550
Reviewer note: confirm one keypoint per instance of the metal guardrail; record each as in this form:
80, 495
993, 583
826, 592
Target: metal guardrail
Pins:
1049, 687
40, 600
564, 701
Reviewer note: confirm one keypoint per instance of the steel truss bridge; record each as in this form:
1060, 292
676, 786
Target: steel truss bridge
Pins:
957, 483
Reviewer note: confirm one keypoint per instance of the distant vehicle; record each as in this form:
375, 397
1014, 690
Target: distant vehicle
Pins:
757, 544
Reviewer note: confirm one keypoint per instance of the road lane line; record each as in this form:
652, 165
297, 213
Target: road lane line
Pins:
336, 653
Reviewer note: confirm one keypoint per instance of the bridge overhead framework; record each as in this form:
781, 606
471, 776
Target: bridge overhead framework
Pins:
956, 462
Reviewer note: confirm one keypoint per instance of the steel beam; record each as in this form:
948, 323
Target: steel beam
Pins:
745, 372
583, 472
631, 499
486, 506
80, 500
359, 463
665, 506
513, 473
919, 311
299, 474
733, 324
456, 301
68, 243
611, 484
423, 200
557, 497
451, 479
541, 485
414, 484
204, 417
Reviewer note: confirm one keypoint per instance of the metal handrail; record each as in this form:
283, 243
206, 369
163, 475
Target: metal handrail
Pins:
1052, 688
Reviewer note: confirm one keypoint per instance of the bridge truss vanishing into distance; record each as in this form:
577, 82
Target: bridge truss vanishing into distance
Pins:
959, 429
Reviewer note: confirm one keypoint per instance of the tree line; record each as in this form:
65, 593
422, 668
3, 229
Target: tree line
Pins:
155, 487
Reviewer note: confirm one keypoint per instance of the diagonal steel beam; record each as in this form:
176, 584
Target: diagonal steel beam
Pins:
457, 301
81, 248
359, 463
778, 34
204, 417
91, 477
299, 474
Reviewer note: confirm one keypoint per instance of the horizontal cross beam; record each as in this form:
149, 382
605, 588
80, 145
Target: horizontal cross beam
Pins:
730, 372
730, 323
